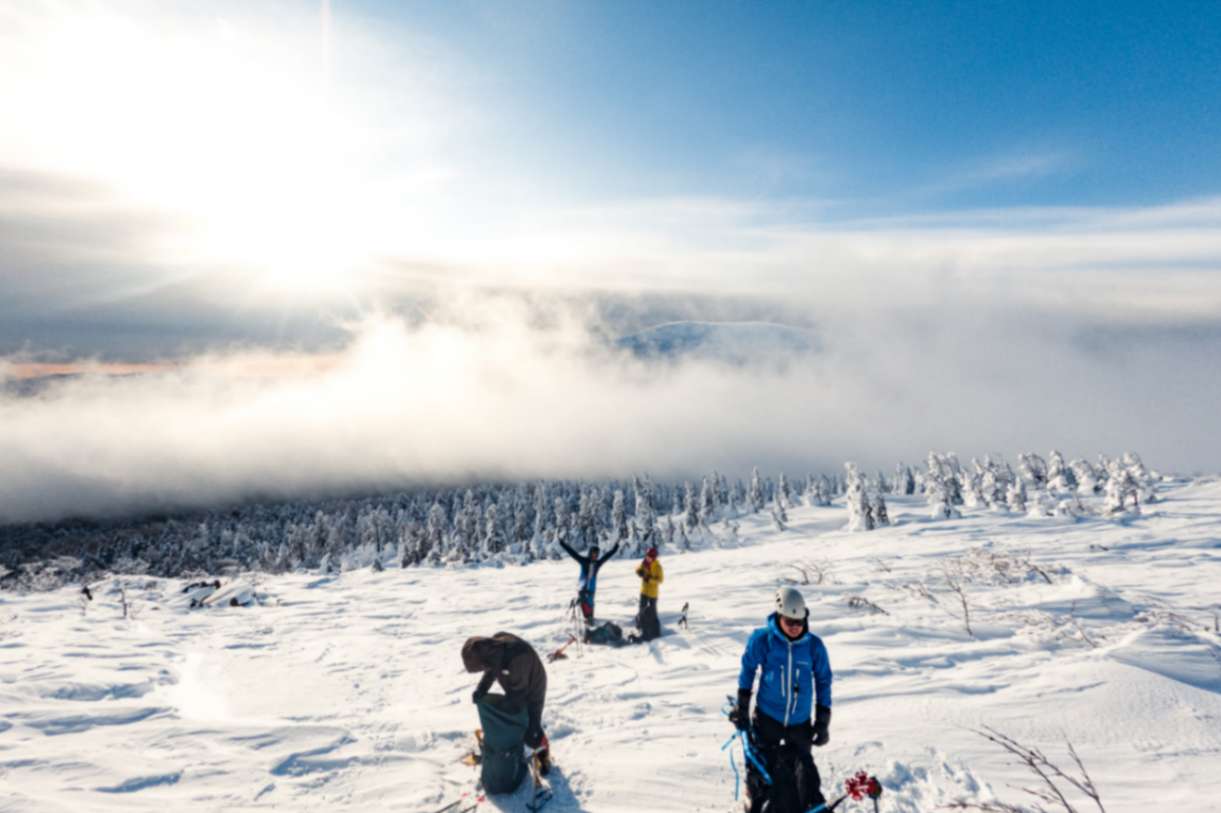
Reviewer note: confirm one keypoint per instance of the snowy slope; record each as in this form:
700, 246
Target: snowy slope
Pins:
347, 692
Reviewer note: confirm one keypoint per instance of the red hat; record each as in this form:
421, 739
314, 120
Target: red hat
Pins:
651, 553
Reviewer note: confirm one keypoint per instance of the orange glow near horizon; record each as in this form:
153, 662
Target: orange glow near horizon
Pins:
269, 367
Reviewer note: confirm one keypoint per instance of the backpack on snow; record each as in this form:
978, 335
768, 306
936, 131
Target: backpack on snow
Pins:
503, 759
607, 632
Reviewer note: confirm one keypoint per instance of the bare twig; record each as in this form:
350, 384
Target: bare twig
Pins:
1072, 617
1048, 772
921, 589
862, 603
1032, 566
954, 580
811, 572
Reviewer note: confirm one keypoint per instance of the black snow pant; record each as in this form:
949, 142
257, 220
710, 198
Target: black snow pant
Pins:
785, 752
646, 619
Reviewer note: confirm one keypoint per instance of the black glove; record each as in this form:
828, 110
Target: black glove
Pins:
740, 716
822, 725
534, 737
477, 695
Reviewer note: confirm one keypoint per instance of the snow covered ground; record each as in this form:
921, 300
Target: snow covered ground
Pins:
348, 693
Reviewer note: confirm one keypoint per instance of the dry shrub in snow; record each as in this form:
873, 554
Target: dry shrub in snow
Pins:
1055, 786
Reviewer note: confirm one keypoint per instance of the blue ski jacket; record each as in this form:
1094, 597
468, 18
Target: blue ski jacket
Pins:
589, 567
796, 674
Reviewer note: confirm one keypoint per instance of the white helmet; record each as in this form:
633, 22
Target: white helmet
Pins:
790, 604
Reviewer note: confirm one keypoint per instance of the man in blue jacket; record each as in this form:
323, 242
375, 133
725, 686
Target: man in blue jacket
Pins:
587, 586
795, 681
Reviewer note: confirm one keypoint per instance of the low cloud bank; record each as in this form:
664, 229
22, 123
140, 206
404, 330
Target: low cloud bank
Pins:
490, 390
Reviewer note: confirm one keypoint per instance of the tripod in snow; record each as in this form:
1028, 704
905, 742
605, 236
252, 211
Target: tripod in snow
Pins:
575, 620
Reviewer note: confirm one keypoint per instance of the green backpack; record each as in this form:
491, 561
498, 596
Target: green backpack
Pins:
607, 632
503, 761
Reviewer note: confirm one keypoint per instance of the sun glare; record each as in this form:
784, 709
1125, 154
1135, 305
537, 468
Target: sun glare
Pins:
236, 136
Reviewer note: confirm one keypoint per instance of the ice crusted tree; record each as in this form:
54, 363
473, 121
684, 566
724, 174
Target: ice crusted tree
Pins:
860, 510
993, 484
1016, 497
905, 483
1032, 469
646, 518
1089, 479
618, 517
1122, 492
779, 514
435, 532
691, 507
879, 510
1060, 478
940, 487
708, 502
1143, 478
755, 496
492, 542
561, 520
821, 491
973, 485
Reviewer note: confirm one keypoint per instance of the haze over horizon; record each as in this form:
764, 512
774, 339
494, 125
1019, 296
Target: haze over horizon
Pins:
368, 242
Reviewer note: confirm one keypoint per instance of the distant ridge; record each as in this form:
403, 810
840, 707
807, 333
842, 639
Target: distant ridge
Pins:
732, 342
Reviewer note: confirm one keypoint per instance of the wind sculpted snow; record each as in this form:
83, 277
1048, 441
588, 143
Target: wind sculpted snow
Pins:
347, 693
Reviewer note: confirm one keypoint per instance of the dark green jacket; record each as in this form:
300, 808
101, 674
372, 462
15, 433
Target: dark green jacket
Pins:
508, 660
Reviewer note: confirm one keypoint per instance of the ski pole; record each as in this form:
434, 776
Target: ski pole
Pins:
754, 760
737, 778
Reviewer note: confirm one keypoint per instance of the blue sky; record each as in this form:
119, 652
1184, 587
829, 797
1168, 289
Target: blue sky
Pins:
880, 107
204, 165
420, 221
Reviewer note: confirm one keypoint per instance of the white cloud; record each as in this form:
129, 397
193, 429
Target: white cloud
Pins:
494, 389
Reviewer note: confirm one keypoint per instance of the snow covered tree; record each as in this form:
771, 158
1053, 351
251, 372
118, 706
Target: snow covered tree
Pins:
778, 507
491, 543
973, 485
755, 497
667, 532
904, 482
1060, 478
1032, 469
1089, 479
618, 517
822, 491
708, 502
646, 520
992, 485
1141, 476
691, 509
879, 510
860, 509
941, 487
1016, 497
1122, 491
